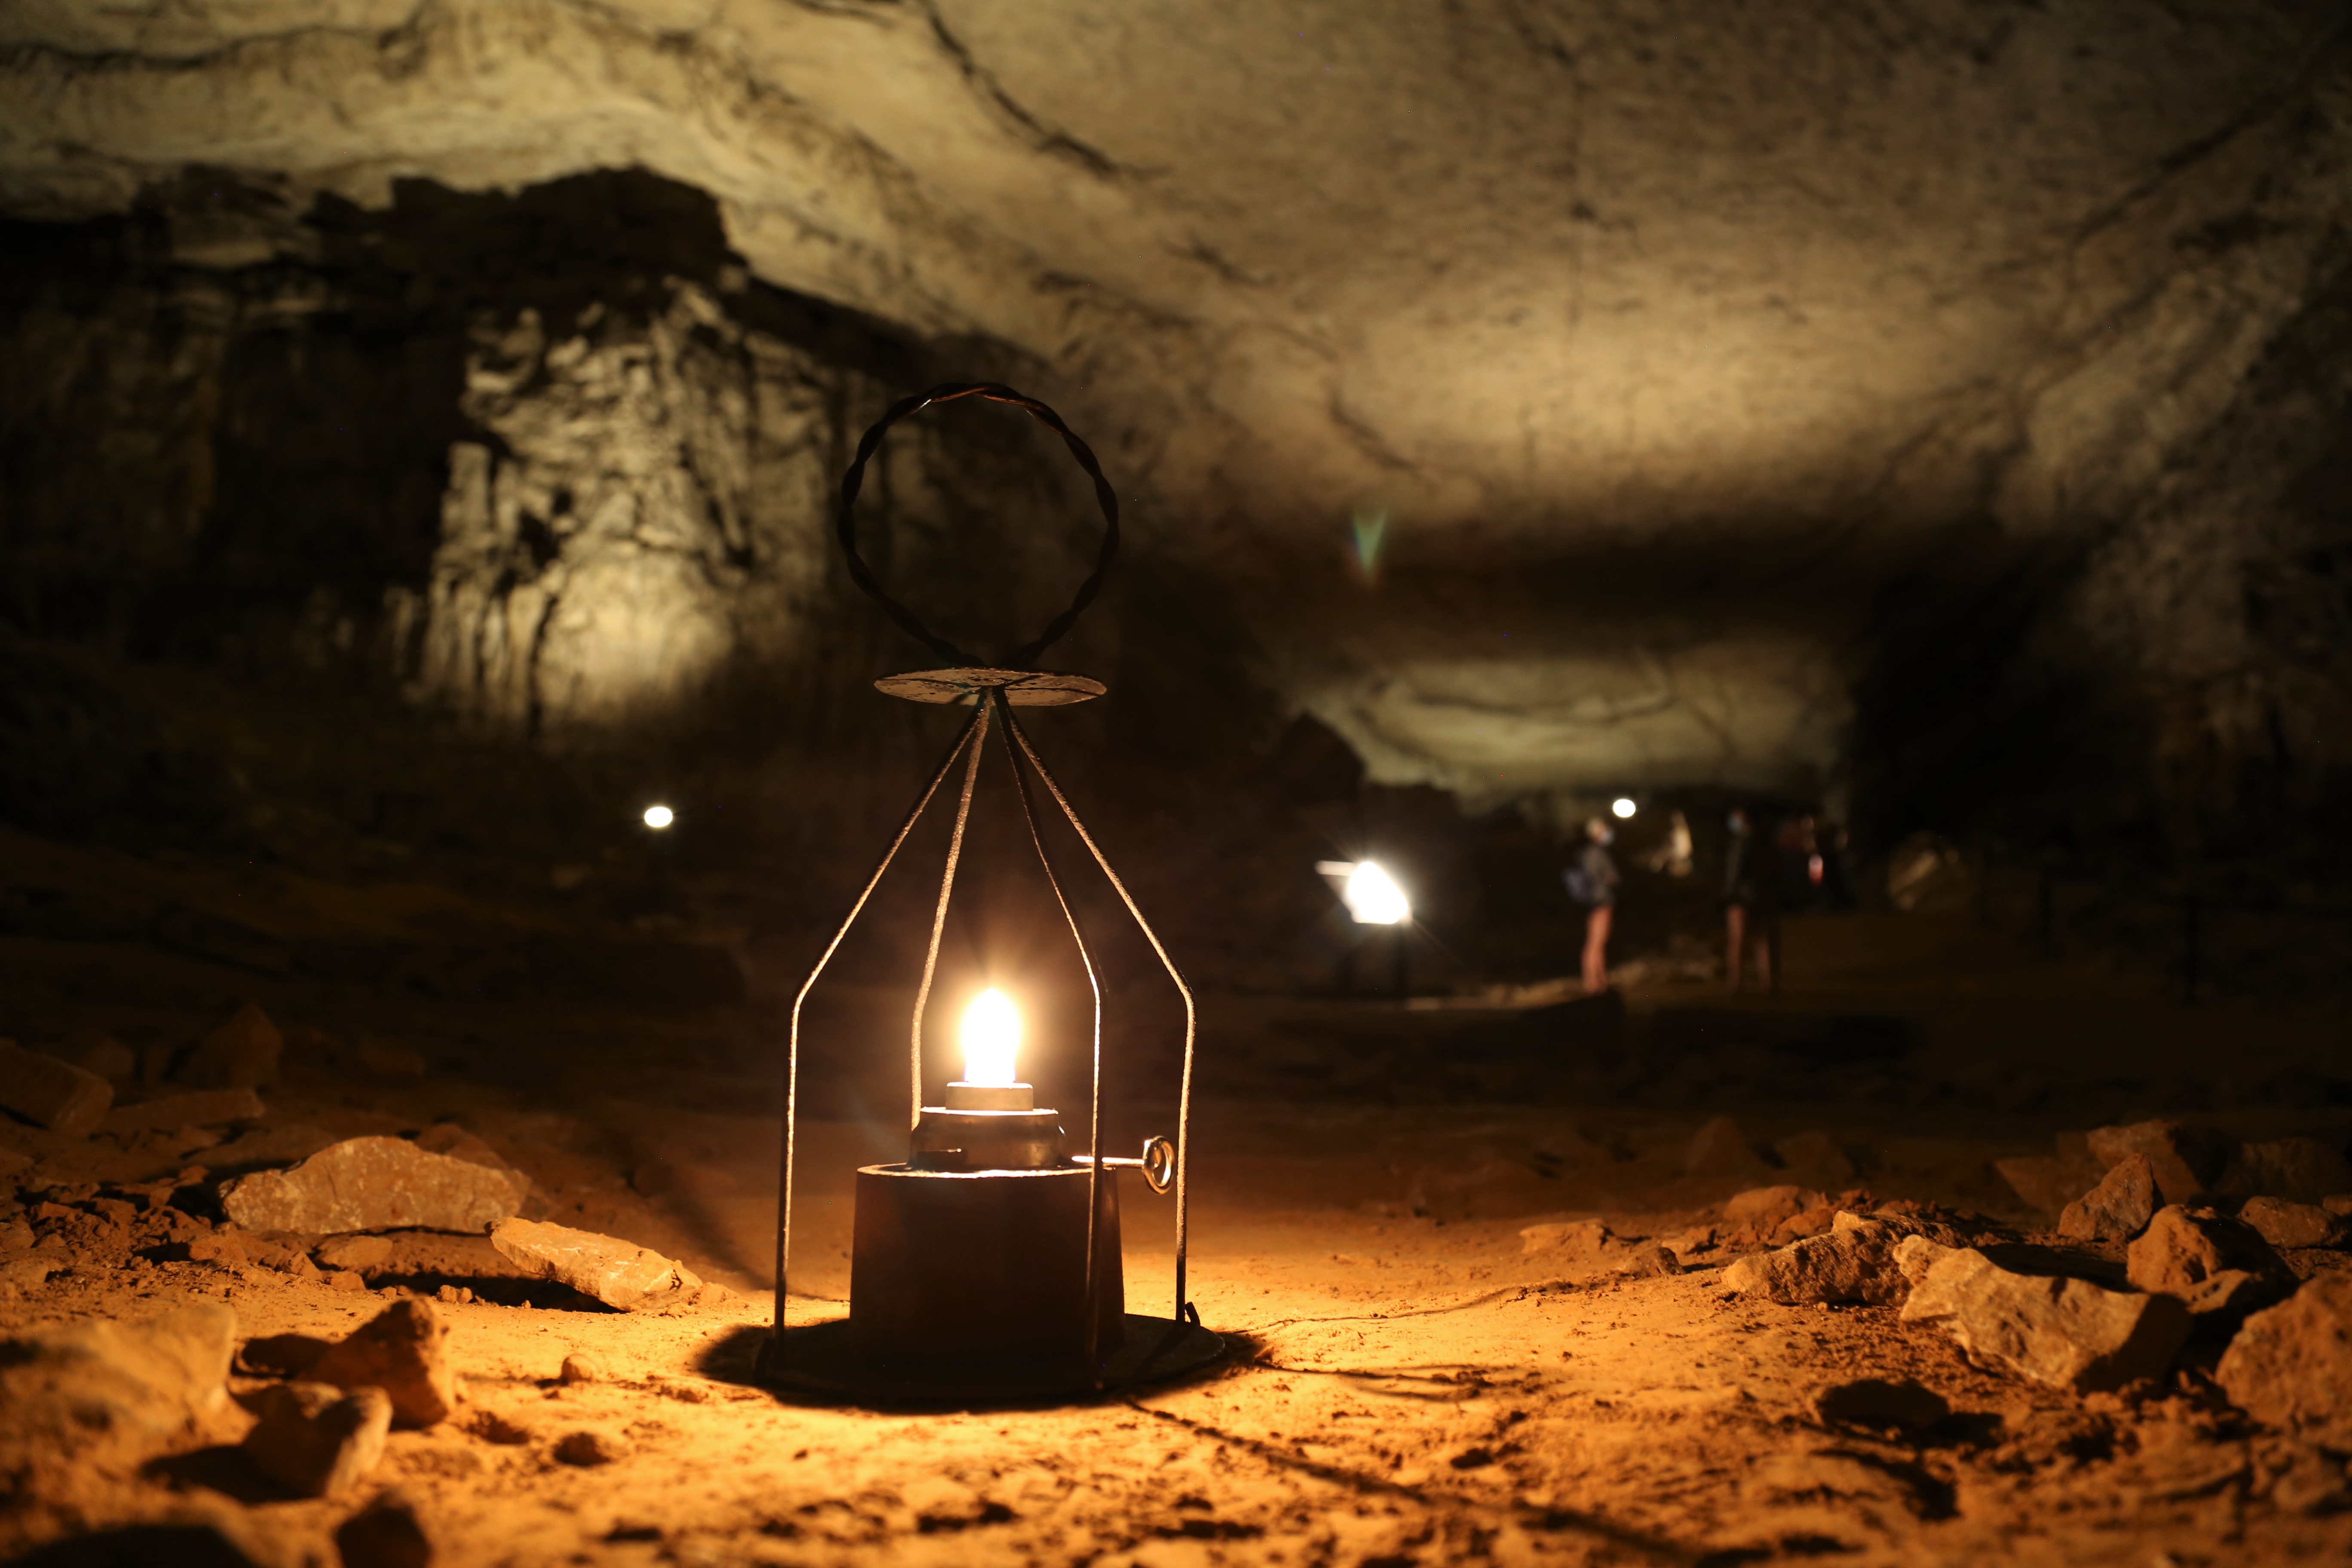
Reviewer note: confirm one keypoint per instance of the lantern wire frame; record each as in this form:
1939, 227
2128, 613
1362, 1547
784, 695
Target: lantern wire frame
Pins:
994, 693
991, 706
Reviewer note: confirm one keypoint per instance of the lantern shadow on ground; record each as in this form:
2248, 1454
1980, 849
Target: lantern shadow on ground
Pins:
823, 1370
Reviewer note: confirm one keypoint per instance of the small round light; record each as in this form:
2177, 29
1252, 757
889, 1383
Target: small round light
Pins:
659, 816
1622, 807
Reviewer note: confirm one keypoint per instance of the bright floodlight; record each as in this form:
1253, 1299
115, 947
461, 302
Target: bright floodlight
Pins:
659, 816
992, 1033
1622, 807
1374, 897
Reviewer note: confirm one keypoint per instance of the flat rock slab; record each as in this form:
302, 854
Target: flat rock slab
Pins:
51, 1093
204, 1108
618, 1273
376, 1183
2292, 1366
2067, 1333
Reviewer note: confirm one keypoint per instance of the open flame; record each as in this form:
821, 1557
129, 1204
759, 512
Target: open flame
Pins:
992, 1035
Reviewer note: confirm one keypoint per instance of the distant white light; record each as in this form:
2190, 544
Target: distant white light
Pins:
659, 816
1622, 807
1373, 898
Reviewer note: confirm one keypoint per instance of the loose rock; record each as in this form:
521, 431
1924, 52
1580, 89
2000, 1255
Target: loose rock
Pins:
2217, 1264
591, 1446
403, 1351
1852, 1263
243, 1053
389, 1532
375, 1183
2118, 1208
50, 1093
2067, 1333
316, 1440
2186, 1159
108, 1392
1721, 1148
582, 1368
362, 1252
1915, 1255
2292, 1366
2285, 1223
2303, 1170
615, 1272
2049, 1182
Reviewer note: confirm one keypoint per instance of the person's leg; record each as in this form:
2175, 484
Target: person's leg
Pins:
1735, 944
1596, 949
1767, 955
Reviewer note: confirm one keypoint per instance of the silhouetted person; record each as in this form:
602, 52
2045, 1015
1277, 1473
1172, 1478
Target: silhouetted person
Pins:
1592, 882
1752, 878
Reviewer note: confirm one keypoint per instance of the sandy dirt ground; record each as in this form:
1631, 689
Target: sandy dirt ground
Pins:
1406, 1383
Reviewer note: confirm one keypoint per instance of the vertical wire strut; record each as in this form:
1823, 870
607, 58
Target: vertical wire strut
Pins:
792, 1051
1184, 1097
1092, 1297
940, 917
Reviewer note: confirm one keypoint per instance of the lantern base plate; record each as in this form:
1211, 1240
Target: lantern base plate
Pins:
821, 1362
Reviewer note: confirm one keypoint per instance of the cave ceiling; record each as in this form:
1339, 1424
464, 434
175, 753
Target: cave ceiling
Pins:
1553, 384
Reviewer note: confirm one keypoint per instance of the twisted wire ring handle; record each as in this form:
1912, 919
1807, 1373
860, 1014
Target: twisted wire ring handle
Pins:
862, 576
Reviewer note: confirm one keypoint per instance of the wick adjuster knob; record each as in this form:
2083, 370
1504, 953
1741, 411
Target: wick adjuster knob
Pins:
1157, 1164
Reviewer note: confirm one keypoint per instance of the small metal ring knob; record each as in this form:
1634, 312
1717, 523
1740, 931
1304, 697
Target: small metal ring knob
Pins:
1159, 1163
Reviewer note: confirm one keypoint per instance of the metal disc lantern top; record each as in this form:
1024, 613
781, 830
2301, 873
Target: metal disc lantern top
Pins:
819, 1358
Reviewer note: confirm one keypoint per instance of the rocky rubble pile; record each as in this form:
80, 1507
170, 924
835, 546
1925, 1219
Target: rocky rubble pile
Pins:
95, 1187
2219, 1243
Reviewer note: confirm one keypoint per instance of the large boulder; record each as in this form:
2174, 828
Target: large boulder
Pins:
2066, 1333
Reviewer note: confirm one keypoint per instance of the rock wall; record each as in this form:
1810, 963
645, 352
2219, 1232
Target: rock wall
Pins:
1923, 406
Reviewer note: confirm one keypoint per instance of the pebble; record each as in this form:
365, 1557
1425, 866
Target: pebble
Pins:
390, 1532
591, 1446
578, 1367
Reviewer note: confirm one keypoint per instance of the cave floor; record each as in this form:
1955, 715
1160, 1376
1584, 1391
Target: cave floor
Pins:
1407, 1382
